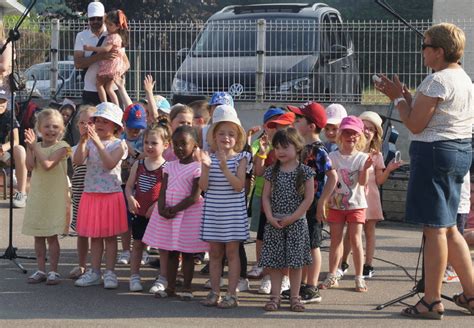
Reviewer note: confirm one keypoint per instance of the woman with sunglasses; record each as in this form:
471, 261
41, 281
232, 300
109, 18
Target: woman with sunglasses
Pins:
439, 118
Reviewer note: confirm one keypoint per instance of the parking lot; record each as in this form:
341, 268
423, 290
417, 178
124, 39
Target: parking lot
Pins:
67, 306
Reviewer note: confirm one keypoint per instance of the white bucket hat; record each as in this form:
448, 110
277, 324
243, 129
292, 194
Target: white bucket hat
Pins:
373, 118
223, 113
109, 111
95, 9
335, 113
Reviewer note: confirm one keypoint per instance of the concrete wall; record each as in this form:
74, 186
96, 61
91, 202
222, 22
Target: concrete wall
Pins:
461, 11
252, 114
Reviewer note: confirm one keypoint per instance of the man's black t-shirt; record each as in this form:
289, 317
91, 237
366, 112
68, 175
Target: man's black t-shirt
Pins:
5, 126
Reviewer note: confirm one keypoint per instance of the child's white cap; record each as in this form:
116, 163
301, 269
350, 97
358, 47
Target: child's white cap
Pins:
109, 111
335, 114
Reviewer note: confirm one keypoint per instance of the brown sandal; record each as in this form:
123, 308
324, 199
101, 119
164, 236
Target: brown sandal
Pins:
273, 304
296, 305
464, 303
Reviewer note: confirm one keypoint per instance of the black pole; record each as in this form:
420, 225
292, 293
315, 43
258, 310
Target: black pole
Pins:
13, 36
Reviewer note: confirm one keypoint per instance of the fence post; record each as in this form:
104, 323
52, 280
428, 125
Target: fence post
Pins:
53, 76
260, 73
137, 73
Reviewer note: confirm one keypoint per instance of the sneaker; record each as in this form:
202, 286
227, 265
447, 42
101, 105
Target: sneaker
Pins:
450, 276
76, 272
37, 277
53, 278
205, 269
19, 199
265, 285
285, 283
310, 294
145, 258
135, 283
286, 294
124, 257
110, 280
90, 278
160, 284
207, 284
243, 285
368, 271
342, 270
329, 282
255, 272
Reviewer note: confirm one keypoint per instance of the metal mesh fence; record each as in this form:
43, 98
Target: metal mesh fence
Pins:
300, 59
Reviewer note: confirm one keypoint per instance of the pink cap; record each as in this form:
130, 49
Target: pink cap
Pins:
352, 123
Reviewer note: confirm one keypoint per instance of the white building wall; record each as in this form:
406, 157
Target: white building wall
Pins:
459, 12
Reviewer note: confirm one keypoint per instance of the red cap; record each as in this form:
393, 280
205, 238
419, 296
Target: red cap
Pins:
284, 119
313, 111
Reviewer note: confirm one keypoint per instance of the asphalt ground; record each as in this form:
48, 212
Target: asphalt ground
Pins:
64, 305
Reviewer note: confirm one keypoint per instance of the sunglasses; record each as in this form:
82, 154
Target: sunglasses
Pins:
426, 45
95, 19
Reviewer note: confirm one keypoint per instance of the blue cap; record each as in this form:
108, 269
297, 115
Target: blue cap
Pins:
221, 98
135, 117
273, 111
162, 104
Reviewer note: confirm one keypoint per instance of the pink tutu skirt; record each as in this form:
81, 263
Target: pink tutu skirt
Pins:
102, 215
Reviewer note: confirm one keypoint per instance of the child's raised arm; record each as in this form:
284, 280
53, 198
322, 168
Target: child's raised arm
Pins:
148, 85
123, 94
236, 181
30, 140
203, 157
133, 204
363, 173
109, 159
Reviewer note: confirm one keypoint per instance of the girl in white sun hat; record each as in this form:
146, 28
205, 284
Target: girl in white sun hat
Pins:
102, 213
225, 222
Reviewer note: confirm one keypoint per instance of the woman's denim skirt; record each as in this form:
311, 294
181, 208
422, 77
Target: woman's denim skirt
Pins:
437, 170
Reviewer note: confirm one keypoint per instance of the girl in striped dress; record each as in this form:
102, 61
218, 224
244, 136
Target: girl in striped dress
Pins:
225, 222
77, 187
175, 224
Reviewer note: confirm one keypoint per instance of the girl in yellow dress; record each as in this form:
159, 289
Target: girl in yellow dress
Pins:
45, 214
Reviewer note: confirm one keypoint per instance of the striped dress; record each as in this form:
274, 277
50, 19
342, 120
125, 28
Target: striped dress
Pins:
183, 231
225, 211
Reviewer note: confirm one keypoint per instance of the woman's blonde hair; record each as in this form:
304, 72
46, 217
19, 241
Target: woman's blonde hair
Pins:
360, 145
50, 113
449, 37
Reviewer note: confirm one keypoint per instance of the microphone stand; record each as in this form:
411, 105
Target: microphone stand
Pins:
13, 36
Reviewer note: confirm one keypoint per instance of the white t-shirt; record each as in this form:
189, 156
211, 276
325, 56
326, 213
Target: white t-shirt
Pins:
348, 194
453, 116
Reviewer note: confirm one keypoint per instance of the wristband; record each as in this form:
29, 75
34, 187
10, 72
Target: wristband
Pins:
398, 100
261, 156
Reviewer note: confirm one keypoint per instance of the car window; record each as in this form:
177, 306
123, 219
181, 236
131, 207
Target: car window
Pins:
239, 38
42, 71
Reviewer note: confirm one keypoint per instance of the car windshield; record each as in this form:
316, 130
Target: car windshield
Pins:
43, 71
238, 38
